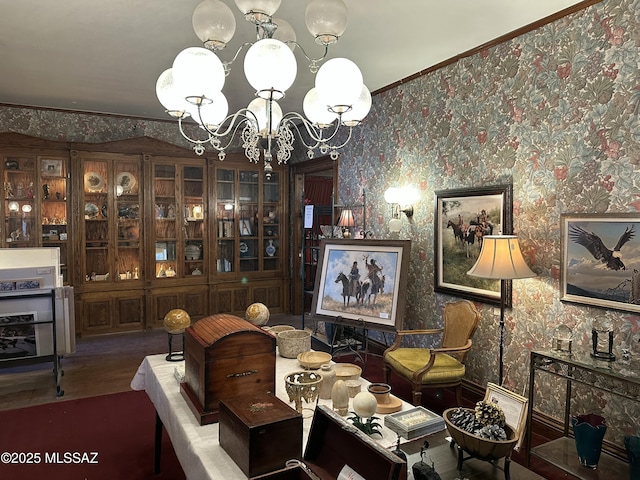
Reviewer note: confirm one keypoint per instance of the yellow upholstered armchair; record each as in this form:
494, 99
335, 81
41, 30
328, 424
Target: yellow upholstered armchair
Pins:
435, 367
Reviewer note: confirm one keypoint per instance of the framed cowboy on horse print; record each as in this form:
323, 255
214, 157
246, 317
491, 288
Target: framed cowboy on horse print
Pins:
362, 282
462, 218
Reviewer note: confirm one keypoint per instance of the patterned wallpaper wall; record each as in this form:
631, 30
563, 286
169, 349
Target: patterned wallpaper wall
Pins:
555, 112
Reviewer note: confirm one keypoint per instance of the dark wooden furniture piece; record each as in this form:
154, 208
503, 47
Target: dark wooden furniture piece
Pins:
225, 357
334, 443
144, 226
260, 432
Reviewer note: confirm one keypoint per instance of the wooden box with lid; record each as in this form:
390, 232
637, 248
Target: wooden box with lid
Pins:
225, 357
260, 432
336, 446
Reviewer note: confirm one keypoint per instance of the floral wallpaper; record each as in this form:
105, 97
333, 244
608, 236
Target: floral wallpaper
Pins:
554, 112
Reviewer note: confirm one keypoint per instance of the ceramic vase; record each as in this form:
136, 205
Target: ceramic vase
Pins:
589, 431
632, 445
328, 379
340, 397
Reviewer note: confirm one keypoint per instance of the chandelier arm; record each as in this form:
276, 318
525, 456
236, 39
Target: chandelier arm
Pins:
316, 133
231, 120
196, 142
227, 65
313, 62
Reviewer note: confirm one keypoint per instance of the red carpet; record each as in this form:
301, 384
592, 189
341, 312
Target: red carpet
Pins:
60, 439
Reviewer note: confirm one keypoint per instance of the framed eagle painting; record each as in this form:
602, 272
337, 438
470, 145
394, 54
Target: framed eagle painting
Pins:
601, 260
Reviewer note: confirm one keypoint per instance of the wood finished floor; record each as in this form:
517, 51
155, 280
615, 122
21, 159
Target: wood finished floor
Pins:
106, 364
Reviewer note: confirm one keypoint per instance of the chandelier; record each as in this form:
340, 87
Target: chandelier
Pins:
191, 90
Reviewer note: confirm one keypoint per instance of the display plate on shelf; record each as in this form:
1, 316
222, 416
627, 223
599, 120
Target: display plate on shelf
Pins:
93, 181
127, 181
90, 210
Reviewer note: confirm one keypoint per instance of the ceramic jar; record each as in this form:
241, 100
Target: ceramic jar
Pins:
340, 397
328, 379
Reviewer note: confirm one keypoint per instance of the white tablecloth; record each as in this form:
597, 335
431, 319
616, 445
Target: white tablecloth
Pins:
196, 446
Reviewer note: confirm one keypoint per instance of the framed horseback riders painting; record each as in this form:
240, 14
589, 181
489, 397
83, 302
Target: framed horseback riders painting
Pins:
601, 260
462, 218
362, 282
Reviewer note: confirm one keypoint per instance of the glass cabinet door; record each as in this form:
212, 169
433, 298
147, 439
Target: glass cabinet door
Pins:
193, 196
20, 185
97, 262
180, 219
271, 222
225, 217
128, 212
248, 218
53, 208
165, 220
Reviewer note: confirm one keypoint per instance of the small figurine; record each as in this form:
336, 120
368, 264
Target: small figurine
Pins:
30, 190
45, 191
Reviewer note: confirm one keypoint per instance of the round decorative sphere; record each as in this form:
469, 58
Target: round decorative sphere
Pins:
365, 404
176, 320
257, 314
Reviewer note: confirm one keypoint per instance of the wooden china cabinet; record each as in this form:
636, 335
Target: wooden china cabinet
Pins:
144, 227
110, 271
36, 196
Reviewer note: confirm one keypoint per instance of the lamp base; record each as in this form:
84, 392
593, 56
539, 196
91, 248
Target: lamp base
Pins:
609, 357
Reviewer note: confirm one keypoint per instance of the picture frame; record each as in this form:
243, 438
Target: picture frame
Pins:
376, 303
600, 260
246, 229
514, 407
462, 217
51, 168
414, 422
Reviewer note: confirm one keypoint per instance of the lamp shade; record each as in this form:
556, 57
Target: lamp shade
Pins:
339, 84
270, 65
360, 109
265, 111
285, 33
258, 10
326, 20
346, 218
211, 114
198, 72
501, 258
214, 23
316, 111
168, 94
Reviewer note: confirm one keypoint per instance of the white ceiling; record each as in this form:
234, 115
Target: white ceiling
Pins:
106, 56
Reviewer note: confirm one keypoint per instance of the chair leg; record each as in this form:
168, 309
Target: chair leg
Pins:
417, 397
387, 372
459, 395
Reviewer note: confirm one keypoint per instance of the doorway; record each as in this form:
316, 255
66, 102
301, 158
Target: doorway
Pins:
314, 182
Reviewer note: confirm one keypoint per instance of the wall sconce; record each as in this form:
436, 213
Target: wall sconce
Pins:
346, 221
401, 201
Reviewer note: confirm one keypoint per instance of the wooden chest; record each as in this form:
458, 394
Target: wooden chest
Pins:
260, 432
333, 444
225, 357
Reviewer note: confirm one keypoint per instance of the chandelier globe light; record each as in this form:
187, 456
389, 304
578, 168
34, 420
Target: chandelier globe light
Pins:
214, 24
192, 88
270, 67
326, 20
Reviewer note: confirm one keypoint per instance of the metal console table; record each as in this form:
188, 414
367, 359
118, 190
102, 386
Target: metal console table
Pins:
610, 377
